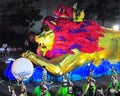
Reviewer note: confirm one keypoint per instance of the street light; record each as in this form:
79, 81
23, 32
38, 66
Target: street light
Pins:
116, 27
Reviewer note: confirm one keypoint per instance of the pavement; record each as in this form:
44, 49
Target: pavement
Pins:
100, 82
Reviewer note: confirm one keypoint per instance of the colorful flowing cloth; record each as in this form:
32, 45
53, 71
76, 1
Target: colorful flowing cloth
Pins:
71, 35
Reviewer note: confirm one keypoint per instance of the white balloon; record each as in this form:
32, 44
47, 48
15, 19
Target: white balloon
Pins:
22, 69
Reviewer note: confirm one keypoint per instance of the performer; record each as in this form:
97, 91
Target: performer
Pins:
11, 90
114, 79
23, 90
90, 87
44, 75
43, 88
114, 85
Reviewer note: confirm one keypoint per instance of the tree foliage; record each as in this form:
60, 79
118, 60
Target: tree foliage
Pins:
102, 10
22, 13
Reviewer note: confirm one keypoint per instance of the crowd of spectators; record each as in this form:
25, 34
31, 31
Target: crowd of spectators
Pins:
6, 50
28, 44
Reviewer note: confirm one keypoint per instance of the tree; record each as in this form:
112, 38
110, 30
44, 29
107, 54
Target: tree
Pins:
22, 13
102, 10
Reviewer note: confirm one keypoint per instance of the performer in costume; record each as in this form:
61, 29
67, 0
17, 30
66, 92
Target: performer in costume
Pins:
12, 91
114, 85
23, 90
89, 88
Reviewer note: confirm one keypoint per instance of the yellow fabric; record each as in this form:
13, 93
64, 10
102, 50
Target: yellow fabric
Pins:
80, 17
45, 41
68, 62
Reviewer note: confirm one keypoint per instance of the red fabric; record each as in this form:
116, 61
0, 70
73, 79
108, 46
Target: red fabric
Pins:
94, 31
62, 10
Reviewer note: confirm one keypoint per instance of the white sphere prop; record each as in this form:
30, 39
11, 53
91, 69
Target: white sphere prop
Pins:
22, 69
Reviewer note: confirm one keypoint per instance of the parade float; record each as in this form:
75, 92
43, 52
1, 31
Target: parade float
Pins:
68, 44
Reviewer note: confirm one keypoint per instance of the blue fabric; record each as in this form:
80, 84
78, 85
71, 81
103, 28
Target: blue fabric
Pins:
58, 51
84, 70
76, 46
37, 75
105, 68
57, 28
8, 73
90, 39
74, 31
86, 23
62, 38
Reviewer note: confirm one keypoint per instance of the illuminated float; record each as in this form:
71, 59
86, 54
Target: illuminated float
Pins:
66, 44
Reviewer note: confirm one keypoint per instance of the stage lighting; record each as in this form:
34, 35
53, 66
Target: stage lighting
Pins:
116, 27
